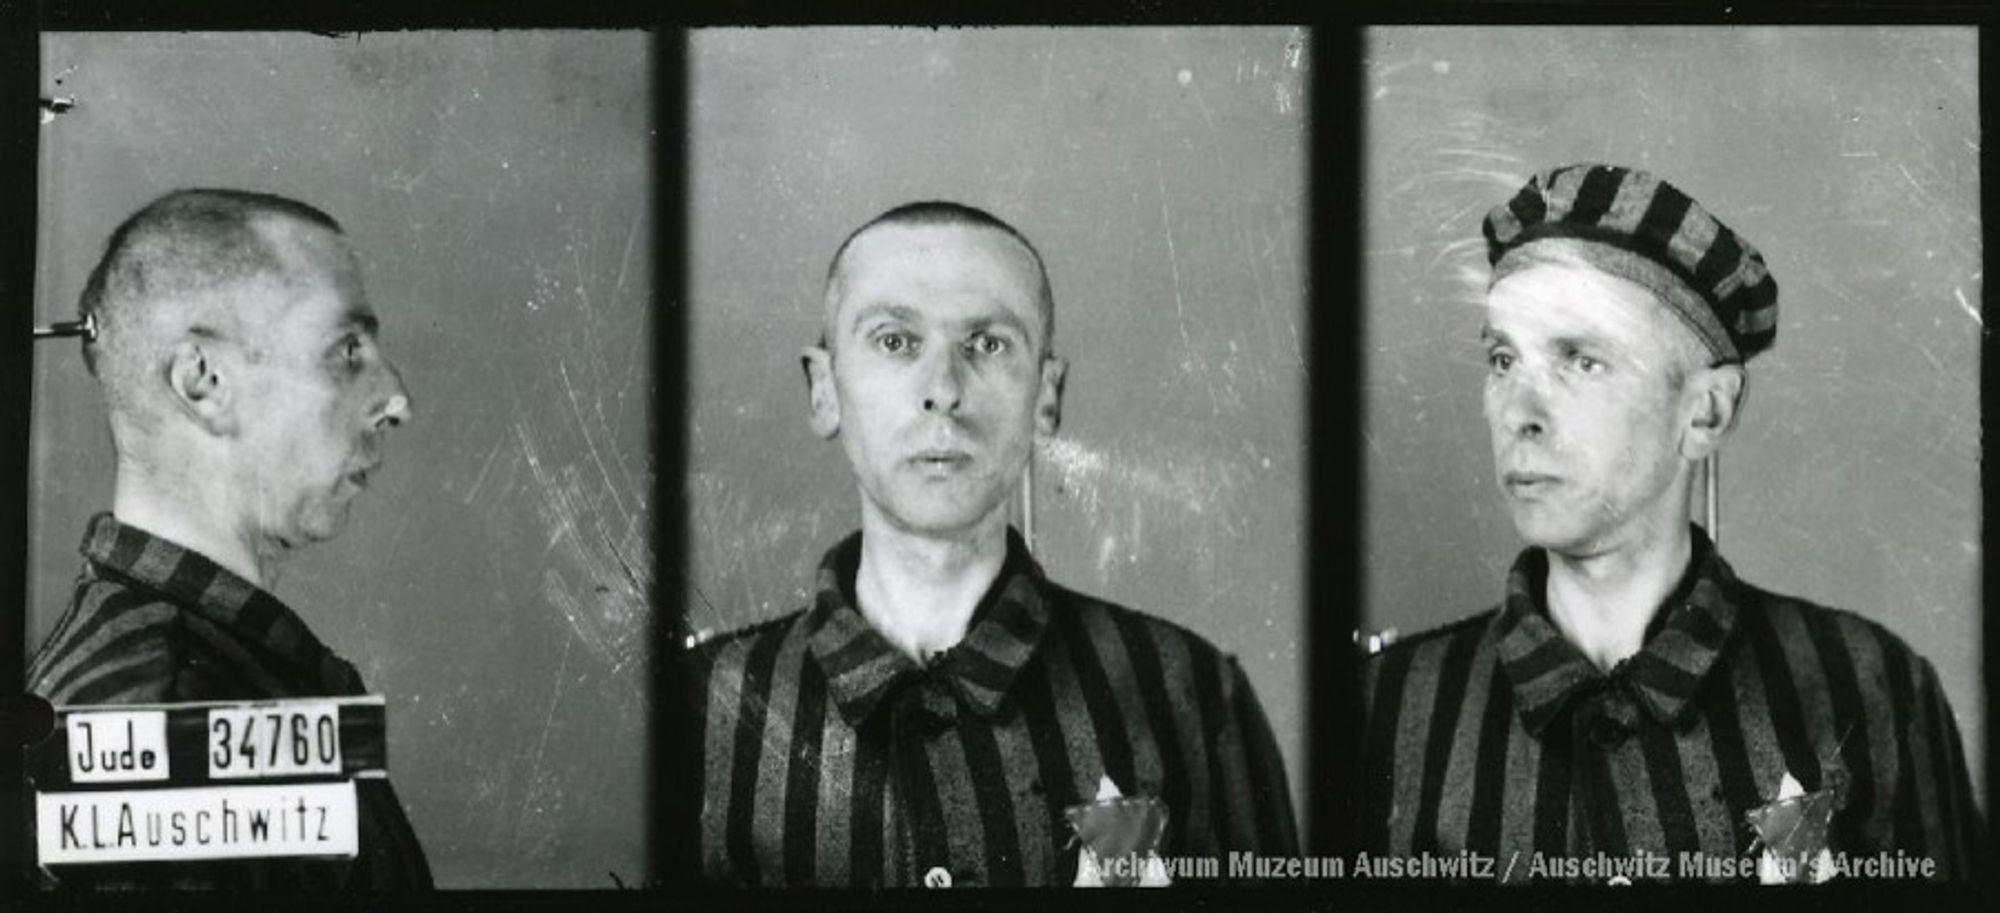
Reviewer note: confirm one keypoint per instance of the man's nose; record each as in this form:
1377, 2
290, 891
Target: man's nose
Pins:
395, 407
944, 387
1523, 405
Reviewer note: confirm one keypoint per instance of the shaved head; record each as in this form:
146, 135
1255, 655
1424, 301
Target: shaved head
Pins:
938, 213
181, 267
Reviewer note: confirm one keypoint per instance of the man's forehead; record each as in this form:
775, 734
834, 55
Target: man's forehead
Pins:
320, 276
892, 258
1559, 300
906, 243
298, 242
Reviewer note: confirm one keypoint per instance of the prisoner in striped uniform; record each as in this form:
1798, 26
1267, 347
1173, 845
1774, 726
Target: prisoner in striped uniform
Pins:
248, 401
154, 623
1630, 696
936, 713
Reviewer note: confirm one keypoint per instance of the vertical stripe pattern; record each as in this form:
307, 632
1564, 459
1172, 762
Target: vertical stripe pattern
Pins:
962, 767
152, 622
1637, 212
1495, 735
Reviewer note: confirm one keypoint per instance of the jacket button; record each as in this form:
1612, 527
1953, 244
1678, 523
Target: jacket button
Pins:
937, 877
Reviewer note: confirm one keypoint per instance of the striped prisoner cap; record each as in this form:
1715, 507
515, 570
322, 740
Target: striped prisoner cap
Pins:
1711, 278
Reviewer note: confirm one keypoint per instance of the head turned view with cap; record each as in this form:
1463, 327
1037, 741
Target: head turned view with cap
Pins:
1631, 696
942, 713
249, 401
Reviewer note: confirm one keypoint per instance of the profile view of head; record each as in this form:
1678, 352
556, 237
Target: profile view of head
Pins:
237, 353
936, 369
1618, 323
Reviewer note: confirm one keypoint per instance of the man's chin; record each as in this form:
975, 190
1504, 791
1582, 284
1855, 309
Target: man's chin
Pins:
942, 520
938, 527
317, 529
1539, 530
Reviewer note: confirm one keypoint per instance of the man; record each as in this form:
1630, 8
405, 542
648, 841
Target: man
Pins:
248, 400
942, 710
1631, 697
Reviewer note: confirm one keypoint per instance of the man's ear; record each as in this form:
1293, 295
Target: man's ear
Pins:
1048, 400
825, 403
204, 383
1716, 394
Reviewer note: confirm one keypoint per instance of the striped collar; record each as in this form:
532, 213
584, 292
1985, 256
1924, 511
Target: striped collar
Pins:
213, 592
1682, 643
862, 667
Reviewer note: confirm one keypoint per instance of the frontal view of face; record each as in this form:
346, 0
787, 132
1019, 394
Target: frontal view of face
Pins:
326, 397
938, 375
1582, 398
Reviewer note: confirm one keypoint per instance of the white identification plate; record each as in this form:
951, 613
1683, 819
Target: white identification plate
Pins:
203, 822
117, 746
277, 741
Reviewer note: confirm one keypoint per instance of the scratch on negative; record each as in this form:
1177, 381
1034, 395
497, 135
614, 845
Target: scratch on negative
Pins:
548, 723
554, 590
1907, 176
1174, 264
395, 541
566, 513
1931, 357
480, 480
590, 440
1967, 307
1469, 152
632, 577
625, 261
1250, 260
1173, 261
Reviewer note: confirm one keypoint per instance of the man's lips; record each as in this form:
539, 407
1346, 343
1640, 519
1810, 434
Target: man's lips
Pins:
360, 476
1524, 481
940, 459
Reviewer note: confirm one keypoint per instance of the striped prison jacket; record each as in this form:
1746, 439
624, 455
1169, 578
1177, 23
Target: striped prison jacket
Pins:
832, 759
153, 622
1497, 737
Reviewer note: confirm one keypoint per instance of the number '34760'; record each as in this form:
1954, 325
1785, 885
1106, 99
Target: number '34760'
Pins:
254, 743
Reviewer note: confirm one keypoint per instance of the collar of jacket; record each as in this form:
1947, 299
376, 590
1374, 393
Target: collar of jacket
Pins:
1684, 640
862, 668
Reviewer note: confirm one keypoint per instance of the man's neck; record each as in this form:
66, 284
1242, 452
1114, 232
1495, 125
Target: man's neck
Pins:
187, 517
920, 592
1602, 603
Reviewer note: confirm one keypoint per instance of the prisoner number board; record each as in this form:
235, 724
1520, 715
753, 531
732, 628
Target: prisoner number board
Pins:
206, 781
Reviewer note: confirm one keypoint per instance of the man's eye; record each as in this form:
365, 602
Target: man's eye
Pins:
1587, 364
1499, 361
350, 351
988, 344
895, 343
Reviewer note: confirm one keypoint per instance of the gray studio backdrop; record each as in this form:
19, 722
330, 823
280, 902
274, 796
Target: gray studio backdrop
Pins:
492, 583
1161, 173
1850, 157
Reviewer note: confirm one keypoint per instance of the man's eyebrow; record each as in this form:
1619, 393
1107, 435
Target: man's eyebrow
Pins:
1007, 319
366, 320
900, 312
1587, 341
1491, 337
